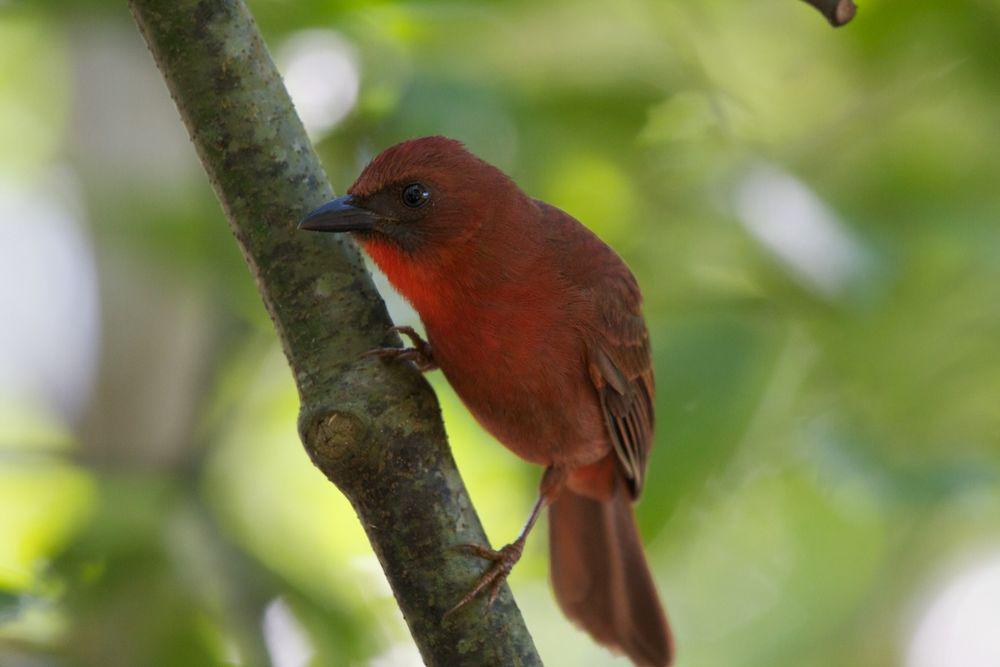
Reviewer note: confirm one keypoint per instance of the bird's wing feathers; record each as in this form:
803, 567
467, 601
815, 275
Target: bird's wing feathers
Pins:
621, 369
619, 361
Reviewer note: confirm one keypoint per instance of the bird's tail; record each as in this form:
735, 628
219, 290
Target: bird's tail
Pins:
601, 578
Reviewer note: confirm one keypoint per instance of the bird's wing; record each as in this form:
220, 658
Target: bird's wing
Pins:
618, 353
620, 367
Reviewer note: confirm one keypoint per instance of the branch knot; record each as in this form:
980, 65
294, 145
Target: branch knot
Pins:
332, 436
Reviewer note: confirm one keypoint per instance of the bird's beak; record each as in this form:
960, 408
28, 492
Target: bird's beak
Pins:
339, 215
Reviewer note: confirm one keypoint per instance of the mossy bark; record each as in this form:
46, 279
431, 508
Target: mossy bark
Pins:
374, 429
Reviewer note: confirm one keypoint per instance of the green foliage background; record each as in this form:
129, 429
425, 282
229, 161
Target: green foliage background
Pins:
824, 458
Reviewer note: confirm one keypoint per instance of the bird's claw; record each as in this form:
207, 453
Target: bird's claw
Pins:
420, 354
496, 574
410, 333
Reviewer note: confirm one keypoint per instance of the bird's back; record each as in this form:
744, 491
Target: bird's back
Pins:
518, 351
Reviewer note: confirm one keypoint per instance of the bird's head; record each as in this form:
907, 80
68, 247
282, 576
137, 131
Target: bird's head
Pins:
440, 223
421, 197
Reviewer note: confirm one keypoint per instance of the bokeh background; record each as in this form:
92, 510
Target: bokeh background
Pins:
813, 216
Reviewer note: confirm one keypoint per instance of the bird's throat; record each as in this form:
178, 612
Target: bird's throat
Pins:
419, 279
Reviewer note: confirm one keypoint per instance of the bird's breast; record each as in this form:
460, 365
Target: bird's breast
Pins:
519, 365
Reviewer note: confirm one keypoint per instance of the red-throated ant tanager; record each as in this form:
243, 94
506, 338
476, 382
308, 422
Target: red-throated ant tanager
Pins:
537, 325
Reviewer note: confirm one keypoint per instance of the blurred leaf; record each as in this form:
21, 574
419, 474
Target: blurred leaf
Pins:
9, 605
32, 117
42, 503
712, 368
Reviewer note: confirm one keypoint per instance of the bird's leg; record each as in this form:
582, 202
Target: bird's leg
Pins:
503, 560
420, 354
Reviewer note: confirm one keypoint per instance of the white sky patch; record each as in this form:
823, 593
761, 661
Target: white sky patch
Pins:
961, 626
399, 655
286, 640
795, 226
50, 334
322, 74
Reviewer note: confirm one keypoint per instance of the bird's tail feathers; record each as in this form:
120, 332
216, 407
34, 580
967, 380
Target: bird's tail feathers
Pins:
601, 578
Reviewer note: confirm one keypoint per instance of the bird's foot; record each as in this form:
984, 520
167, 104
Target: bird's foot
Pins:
495, 575
420, 354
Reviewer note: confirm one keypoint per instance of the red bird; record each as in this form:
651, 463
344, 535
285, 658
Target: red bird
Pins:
537, 325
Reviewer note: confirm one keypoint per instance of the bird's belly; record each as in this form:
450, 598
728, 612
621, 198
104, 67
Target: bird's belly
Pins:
543, 408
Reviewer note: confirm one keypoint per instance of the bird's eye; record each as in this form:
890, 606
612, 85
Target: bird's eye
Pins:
415, 194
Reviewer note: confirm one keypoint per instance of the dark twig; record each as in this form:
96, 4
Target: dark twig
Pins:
837, 12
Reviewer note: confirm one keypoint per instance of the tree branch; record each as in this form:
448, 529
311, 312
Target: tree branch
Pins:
373, 429
837, 12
